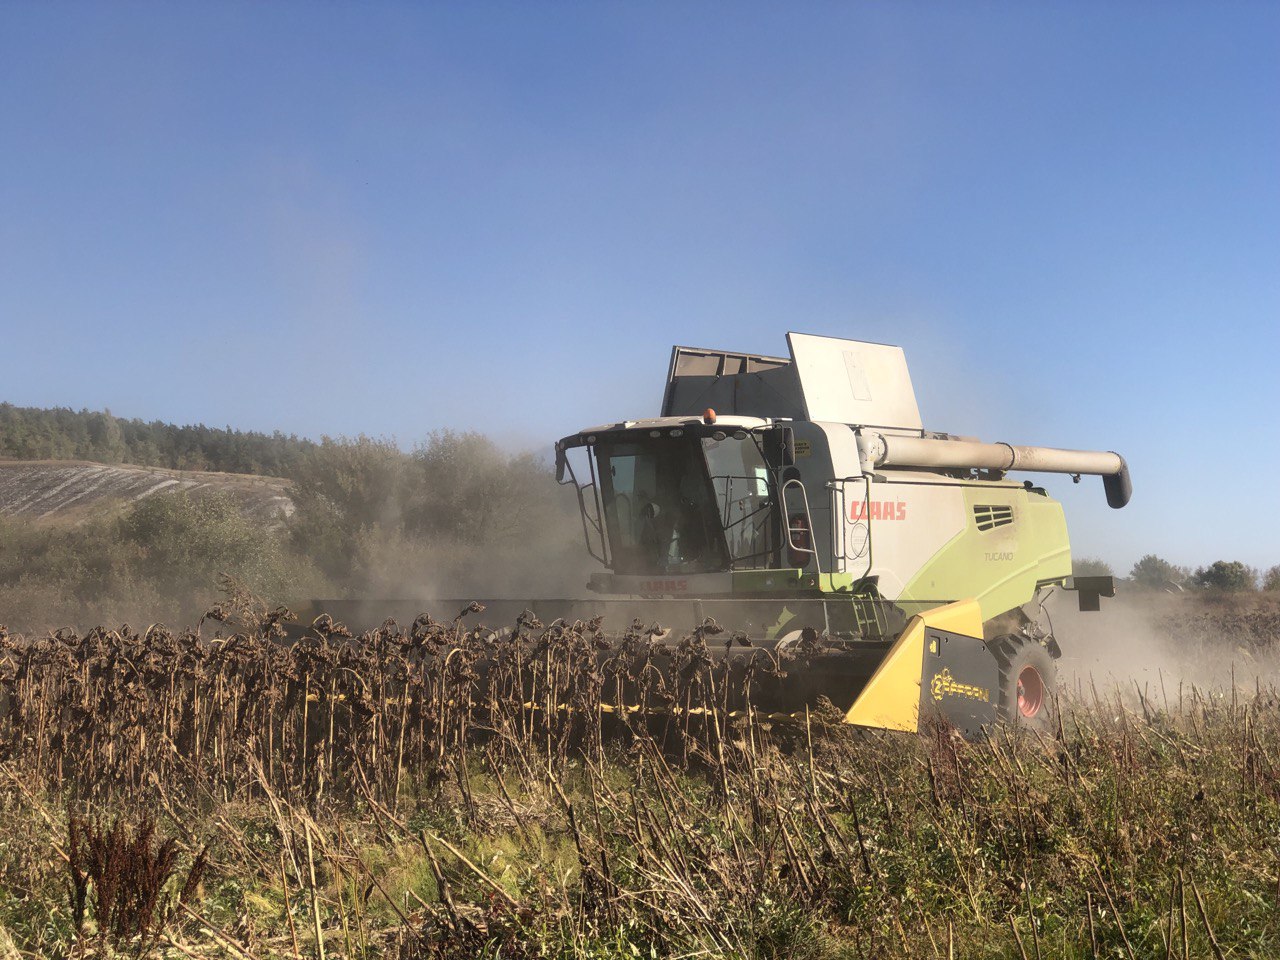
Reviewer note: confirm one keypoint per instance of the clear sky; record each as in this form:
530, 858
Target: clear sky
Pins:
391, 218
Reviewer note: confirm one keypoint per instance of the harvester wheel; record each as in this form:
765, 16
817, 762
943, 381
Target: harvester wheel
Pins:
1028, 679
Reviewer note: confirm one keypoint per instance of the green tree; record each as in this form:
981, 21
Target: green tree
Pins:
1230, 576
344, 492
106, 438
1271, 579
1091, 567
461, 486
1156, 573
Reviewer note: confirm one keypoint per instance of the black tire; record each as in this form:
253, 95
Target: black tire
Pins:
1028, 682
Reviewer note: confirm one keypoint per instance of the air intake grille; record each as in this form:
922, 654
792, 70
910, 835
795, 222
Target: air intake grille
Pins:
989, 517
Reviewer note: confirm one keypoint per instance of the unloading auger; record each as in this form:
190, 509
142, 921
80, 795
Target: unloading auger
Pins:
801, 497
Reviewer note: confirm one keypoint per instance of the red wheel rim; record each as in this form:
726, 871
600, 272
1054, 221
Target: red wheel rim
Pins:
1030, 692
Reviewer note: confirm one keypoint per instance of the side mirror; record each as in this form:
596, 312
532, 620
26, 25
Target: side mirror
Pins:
1118, 486
562, 461
780, 447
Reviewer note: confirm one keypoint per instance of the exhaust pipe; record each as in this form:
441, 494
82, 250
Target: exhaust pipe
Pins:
878, 450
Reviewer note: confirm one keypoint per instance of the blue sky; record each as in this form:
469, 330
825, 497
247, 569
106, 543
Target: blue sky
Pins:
391, 218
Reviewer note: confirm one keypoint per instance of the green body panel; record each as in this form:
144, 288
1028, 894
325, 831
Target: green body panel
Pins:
753, 582
773, 582
1001, 568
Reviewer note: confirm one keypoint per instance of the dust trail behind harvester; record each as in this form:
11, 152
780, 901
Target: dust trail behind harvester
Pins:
1144, 640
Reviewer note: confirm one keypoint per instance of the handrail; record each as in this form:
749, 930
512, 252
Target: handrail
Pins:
808, 518
842, 485
598, 521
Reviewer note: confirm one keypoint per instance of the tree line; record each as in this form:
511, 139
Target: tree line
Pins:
1155, 573
33, 433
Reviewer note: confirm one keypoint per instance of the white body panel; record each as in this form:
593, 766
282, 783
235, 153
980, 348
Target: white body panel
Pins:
851, 382
909, 524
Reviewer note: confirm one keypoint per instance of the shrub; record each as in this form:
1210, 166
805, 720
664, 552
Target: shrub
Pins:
185, 542
161, 560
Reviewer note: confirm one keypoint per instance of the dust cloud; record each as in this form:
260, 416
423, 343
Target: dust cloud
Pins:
1161, 644
547, 560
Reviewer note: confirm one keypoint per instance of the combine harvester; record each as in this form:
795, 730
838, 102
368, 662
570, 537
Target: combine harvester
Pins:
896, 571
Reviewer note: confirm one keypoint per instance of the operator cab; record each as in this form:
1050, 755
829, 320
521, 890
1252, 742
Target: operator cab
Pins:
691, 493
677, 495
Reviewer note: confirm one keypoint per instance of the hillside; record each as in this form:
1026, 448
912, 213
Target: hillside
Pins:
40, 490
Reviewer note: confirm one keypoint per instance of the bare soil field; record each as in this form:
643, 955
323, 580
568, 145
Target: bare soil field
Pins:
56, 490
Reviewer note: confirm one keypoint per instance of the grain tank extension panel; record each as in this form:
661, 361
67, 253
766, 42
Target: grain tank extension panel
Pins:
825, 379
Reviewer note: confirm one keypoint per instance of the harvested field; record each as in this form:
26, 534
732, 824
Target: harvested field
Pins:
381, 796
70, 490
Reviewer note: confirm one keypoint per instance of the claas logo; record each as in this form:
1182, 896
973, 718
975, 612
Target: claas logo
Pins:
664, 586
878, 510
